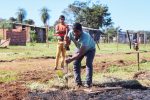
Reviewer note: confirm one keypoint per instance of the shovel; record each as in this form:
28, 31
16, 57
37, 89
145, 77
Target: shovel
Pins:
66, 75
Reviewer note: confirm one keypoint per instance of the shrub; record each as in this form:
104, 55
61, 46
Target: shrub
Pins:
51, 36
33, 37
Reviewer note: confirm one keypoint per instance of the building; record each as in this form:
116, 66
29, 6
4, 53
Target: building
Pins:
123, 37
20, 34
95, 33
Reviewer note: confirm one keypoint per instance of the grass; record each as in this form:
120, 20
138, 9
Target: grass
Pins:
7, 76
145, 66
19, 52
42, 50
120, 73
1, 36
37, 86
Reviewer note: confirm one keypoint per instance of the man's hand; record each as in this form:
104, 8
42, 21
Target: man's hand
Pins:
68, 60
77, 55
67, 42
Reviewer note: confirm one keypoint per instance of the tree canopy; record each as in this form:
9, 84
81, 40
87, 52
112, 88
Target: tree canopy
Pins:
94, 15
12, 19
29, 21
45, 15
21, 14
5, 24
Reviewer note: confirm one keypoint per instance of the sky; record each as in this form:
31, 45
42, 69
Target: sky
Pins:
127, 14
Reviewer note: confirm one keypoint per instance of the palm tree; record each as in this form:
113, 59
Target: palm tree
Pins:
45, 15
21, 14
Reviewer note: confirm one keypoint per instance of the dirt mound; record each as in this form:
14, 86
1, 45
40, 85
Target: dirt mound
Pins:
35, 75
13, 91
102, 66
142, 75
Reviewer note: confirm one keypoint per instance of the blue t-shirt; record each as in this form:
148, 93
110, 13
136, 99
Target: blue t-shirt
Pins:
84, 40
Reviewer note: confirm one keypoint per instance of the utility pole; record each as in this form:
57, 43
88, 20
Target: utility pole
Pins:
3, 32
137, 49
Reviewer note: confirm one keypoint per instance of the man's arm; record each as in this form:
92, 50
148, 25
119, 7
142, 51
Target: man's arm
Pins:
67, 38
77, 55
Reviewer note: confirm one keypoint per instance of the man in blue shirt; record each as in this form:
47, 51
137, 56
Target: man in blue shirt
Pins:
86, 47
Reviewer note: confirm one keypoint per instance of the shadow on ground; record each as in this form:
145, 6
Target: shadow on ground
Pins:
130, 89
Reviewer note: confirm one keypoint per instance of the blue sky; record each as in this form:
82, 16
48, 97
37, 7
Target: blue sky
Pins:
128, 14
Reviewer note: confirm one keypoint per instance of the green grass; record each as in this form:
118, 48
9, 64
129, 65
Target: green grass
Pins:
1, 36
42, 50
37, 86
112, 48
123, 73
7, 76
18, 52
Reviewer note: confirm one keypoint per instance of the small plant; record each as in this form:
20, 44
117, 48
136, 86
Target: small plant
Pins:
61, 77
60, 74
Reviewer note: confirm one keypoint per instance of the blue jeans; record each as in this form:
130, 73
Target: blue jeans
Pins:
89, 67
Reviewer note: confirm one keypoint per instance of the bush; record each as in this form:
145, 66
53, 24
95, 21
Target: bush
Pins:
5, 24
33, 37
51, 36
1, 36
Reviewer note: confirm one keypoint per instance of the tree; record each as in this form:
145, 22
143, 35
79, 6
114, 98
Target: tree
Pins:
94, 15
111, 32
5, 24
45, 15
21, 14
73, 10
12, 19
29, 21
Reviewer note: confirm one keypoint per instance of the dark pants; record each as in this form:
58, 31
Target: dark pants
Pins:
89, 67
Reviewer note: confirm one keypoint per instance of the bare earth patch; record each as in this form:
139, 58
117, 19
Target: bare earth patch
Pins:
41, 76
142, 75
41, 69
13, 91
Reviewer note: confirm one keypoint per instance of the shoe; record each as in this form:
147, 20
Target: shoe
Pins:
78, 86
62, 67
87, 85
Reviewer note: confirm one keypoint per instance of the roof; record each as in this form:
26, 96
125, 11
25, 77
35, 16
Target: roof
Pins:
26, 25
87, 28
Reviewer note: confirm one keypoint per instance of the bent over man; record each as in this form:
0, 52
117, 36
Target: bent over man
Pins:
85, 48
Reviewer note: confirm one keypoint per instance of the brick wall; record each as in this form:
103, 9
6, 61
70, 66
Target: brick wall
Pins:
28, 34
16, 37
